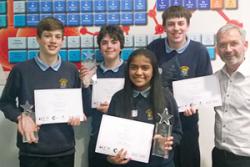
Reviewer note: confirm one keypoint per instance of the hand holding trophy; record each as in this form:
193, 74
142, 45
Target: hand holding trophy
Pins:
163, 130
88, 69
28, 126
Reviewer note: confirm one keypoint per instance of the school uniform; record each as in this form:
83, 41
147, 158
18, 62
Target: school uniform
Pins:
96, 159
189, 61
142, 111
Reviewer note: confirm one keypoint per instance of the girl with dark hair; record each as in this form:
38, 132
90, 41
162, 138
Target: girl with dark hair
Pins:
141, 99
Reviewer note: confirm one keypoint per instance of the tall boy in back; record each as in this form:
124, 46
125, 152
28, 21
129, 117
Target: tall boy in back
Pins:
179, 57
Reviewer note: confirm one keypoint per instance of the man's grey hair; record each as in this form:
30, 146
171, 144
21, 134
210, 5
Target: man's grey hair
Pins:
229, 27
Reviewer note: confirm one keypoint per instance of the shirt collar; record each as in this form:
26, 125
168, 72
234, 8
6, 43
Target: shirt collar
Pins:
43, 66
115, 69
180, 50
243, 68
144, 93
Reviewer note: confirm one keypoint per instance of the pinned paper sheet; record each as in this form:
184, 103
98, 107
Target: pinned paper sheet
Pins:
2, 76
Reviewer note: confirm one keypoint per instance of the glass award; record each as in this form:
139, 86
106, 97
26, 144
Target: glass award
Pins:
88, 59
89, 62
27, 110
163, 129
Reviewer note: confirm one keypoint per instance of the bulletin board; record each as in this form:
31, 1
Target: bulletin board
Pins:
139, 19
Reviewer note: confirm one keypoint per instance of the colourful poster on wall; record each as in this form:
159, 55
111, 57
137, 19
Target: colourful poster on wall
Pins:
82, 19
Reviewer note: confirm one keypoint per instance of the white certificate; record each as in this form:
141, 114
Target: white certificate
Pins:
118, 133
104, 89
197, 91
58, 105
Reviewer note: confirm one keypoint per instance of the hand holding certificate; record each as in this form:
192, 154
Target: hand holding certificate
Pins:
132, 136
197, 91
104, 89
58, 105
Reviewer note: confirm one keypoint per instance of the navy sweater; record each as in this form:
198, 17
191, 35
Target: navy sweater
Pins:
193, 62
143, 105
54, 139
97, 115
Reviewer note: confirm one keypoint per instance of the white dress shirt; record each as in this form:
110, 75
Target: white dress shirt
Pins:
232, 119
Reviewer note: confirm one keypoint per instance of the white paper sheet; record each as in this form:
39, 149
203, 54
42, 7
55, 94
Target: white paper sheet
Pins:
2, 76
58, 105
197, 91
133, 136
104, 89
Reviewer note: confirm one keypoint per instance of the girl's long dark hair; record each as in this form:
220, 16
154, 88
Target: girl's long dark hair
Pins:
157, 98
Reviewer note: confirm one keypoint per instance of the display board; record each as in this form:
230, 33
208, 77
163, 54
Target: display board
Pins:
82, 19
141, 23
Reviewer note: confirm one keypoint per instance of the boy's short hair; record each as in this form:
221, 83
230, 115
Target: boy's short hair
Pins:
49, 24
115, 32
176, 12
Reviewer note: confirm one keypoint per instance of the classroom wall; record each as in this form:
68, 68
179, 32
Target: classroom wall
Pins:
202, 22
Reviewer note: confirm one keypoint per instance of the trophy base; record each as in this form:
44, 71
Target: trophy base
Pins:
162, 131
35, 134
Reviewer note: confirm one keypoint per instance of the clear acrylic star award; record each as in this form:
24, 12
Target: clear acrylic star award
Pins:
163, 129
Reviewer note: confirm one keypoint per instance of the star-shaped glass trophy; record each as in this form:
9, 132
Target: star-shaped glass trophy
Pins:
27, 110
89, 62
163, 129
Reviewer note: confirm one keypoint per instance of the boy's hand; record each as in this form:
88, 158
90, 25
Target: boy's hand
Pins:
103, 107
189, 111
75, 121
27, 127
